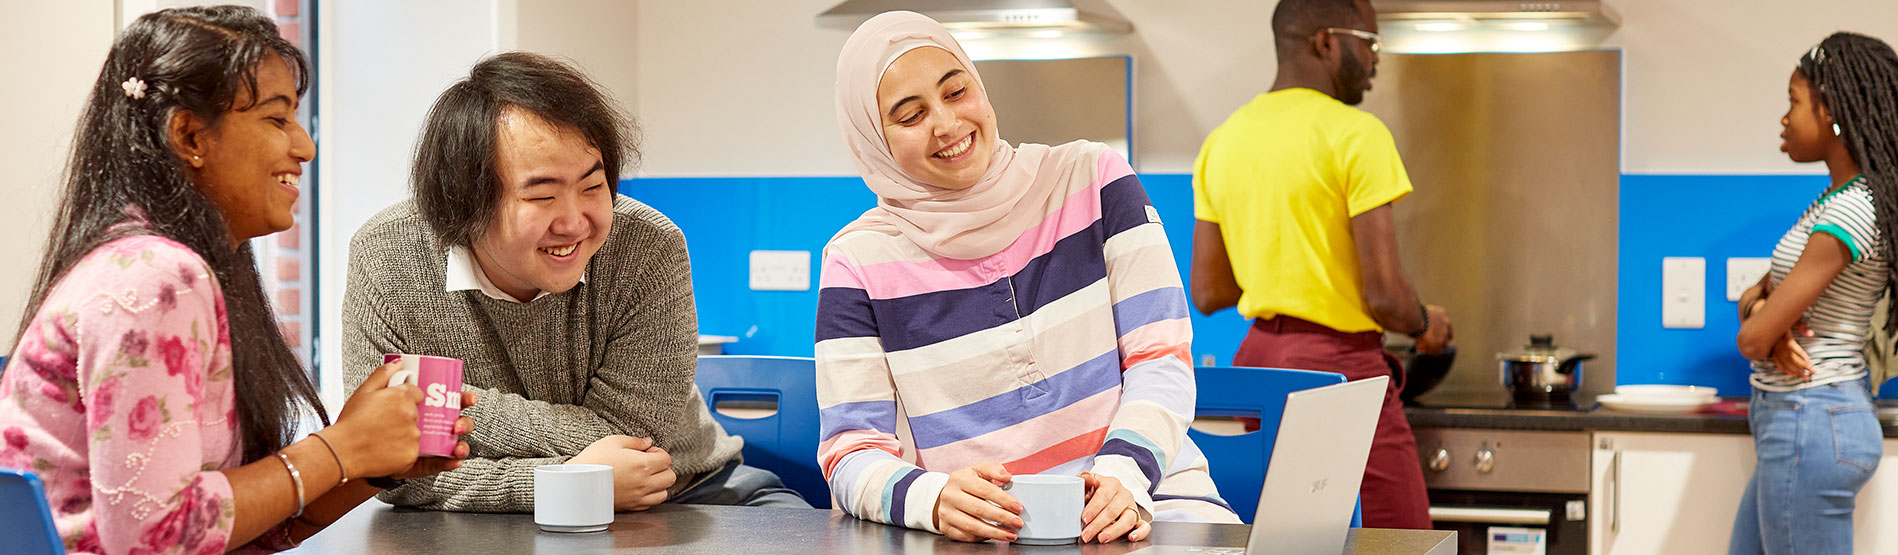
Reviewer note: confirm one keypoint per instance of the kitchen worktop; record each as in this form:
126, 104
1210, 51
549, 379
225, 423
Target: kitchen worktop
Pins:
1726, 417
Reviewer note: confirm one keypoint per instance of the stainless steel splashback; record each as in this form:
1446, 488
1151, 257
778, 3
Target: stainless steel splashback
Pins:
1513, 225
1055, 101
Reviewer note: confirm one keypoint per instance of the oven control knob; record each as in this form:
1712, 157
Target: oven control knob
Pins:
1440, 460
1485, 461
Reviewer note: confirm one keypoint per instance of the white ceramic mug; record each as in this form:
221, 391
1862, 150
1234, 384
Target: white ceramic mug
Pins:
1051, 508
573, 497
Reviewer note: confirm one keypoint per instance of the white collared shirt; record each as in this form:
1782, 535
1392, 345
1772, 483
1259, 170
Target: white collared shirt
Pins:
464, 274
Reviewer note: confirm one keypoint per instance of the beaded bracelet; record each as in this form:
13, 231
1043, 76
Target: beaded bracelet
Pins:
340, 469
296, 477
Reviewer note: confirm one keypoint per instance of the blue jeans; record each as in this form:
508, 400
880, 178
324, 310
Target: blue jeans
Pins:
737, 484
1816, 448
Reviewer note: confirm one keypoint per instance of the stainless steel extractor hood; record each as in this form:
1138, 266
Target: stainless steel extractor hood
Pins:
1591, 13
1061, 15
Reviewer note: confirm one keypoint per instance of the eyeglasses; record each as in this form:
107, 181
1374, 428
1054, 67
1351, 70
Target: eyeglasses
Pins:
1377, 43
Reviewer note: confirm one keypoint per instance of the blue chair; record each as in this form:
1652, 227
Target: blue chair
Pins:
1239, 461
783, 441
25, 519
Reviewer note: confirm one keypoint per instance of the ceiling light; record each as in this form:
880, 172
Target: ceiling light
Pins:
986, 14
1440, 26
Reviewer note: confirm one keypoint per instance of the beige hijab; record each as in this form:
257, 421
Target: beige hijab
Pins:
1020, 187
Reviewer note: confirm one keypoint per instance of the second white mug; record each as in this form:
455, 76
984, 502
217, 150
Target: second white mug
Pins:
1051, 508
573, 497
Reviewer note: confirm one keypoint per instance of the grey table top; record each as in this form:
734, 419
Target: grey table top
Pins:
687, 529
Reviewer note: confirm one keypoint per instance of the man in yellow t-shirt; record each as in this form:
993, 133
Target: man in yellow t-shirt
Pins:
1293, 195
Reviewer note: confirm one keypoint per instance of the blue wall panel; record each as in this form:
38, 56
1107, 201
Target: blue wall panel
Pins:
1218, 335
724, 219
1715, 217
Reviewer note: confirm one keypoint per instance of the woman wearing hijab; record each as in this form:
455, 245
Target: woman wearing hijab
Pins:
1003, 310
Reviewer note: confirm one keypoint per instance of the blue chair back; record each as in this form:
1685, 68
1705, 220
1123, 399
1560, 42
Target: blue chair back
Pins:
785, 441
1239, 461
25, 519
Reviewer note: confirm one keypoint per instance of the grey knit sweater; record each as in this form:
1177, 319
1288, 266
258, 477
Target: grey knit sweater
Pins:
614, 355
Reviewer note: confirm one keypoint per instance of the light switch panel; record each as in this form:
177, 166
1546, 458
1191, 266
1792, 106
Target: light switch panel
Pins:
1683, 292
1742, 273
780, 270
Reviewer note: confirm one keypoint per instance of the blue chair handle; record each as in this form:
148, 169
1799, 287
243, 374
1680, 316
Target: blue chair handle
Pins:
1228, 412
762, 399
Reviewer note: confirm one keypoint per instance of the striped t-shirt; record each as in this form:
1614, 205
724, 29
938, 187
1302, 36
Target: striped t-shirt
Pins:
1841, 318
1065, 352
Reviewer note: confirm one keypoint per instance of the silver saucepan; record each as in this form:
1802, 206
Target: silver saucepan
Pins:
1542, 372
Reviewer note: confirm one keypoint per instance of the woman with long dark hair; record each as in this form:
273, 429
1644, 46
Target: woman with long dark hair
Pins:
1805, 324
149, 387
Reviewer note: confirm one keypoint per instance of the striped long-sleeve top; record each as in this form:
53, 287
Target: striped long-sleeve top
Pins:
1841, 318
1065, 352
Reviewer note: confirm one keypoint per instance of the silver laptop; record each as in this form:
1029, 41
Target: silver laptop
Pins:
1311, 484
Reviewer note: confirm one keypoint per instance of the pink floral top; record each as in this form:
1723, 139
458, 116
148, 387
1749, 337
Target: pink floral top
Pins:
119, 396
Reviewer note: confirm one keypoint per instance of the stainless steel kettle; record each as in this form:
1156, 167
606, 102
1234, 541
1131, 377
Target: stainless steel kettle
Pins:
1542, 372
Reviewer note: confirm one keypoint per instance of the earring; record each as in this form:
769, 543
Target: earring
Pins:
1835, 130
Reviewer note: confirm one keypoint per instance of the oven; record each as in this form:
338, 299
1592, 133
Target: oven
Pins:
1508, 492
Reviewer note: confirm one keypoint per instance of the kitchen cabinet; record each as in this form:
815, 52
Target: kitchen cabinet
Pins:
1665, 493
1872, 530
1678, 493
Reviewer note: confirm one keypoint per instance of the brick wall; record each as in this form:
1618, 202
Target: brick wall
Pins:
283, 257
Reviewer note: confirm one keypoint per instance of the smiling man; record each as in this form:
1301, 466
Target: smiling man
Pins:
571, 306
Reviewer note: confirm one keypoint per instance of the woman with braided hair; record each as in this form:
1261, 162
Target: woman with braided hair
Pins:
1814, 430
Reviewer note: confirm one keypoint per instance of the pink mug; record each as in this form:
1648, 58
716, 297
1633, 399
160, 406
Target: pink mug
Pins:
440, 381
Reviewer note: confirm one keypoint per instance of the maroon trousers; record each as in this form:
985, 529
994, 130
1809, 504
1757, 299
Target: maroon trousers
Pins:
1393, 490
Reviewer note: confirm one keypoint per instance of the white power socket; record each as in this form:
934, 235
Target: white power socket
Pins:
780, 270
1743, 273
1683, 292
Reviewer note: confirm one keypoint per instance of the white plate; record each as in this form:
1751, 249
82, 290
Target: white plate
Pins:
1666, 392
1651, 405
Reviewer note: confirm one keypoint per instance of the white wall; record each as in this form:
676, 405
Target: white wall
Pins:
40, 100
728, 88
381, 65
748, 91
728, 91
1705, 83
596, 35
131, 9
744, 88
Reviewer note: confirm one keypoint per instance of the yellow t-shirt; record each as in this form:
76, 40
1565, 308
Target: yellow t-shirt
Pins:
1283, 176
